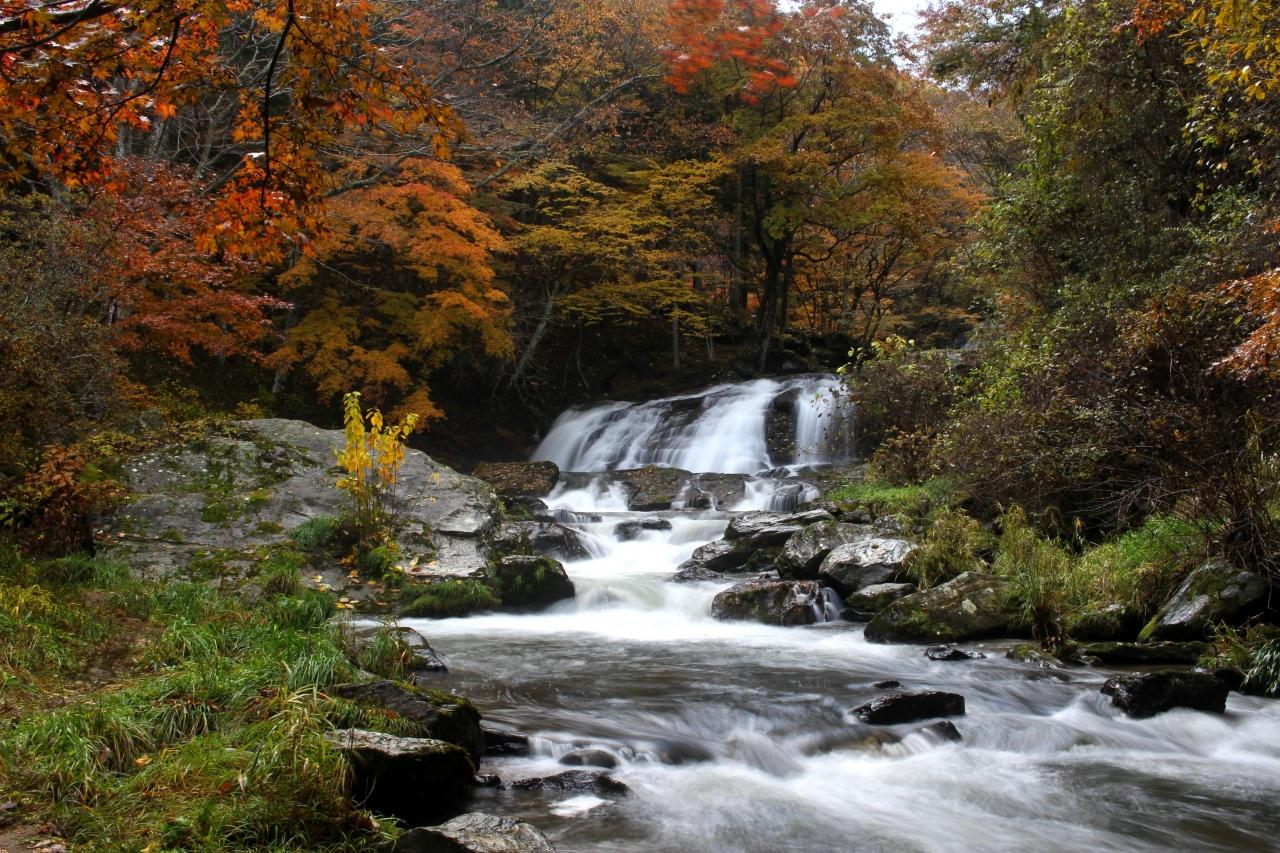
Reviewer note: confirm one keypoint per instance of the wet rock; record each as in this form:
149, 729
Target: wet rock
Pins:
1143, 653
887, 683
500, 741
718, 556
652, 489
910, 707
1027, 653
950, 653
407, 777
753, 530
1114, 623
864, 604
780, 425
475, 833
944, 731
575, 781
804, 551
771, 602
1215, 592
853, 736
530, 582
527, 508
436, 714
1145, 694
486, 780
713, 491
690, 572
970, 607
866, 560
590, 758
548, 538
628, 531
519, 479
423, 660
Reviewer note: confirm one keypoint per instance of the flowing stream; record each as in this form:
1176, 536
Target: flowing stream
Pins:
735, 736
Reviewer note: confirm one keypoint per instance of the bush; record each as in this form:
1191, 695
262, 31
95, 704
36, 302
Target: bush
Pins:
954, 543
1037, 570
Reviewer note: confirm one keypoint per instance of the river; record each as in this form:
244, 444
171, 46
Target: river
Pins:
735, 736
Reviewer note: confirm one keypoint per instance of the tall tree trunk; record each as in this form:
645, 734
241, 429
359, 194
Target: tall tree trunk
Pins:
535, 340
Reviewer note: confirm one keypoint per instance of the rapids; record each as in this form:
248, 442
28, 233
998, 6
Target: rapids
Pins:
735, 736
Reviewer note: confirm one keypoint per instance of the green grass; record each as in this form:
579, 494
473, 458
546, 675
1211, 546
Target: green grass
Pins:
953, 543
448, 598
914, 501
208, 730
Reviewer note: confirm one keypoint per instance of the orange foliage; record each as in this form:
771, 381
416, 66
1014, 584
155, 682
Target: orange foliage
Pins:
708, 32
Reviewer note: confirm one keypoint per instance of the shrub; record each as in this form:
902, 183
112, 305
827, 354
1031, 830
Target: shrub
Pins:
371, 460
281, 573
1139, 569
1263, 674
319, 535
52, 508
954, 543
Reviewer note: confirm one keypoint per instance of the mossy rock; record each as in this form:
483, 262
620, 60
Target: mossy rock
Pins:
434, 713
446, 598
972, 606
1212, 594
525, 581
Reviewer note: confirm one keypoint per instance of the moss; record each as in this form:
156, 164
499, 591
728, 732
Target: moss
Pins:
320, 535
880, 498
447, 598
268, 528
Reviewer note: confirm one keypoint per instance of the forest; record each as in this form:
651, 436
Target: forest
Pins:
787, 302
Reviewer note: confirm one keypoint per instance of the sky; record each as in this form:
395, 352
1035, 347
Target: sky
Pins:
903, 11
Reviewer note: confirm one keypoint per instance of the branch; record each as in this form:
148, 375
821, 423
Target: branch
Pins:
65, 21
266, 105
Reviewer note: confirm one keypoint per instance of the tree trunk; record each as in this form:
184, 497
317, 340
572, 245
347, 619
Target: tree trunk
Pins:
535, 340
675, 341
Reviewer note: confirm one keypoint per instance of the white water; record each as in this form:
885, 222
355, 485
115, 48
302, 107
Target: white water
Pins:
721, 430
735, 736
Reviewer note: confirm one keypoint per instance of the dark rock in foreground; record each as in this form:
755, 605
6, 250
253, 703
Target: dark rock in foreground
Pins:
575, 781
771, 602
1213, 593
407, 777
475, 833
439, 715
970, 607
944, 730
530, 582
519, 479
1145, 652
500, 741
1145, 694
948, 653
910, 707
718, 556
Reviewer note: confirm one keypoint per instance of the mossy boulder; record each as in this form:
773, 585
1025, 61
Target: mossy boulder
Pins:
972, 606
519, 479
1145, 694
447, 598
1145, 653
752, 530
771, 602
529, 582
1215, 592
804, 551
1114, 623
407, 777
864, 604
865, 560
434, 713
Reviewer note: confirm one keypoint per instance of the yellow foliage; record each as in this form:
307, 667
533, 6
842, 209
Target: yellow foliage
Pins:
371, 458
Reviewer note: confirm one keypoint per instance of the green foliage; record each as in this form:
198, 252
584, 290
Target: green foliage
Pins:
281, 573
1037, 570
320, 535
385, 654
1263, 673
1139, 569
954, 543
447, 598
881, 498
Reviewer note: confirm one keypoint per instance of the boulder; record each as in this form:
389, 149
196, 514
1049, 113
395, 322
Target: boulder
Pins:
652, 489
1145, 694
500, 741
712, 491
1145, 653
970, 607
804, 551
475, 833
529, 582
574, 781
910, 707
690, 572
1113, 623
753, 530
951, 654
408, 777
866, 560
870, 600
548, 538
519, 479
771, 602
226, 495
718, 556
1215, 592
943, 731
1027, 653
628, 531
590, 758
435, 714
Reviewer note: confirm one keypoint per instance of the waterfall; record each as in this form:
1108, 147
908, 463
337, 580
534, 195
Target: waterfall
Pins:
741, 428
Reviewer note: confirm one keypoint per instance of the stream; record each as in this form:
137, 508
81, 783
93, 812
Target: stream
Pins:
735, 736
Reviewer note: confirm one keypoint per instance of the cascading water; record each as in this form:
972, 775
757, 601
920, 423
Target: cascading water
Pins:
735, 736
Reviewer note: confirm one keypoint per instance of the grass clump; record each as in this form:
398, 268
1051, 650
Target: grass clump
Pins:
320, 535
447, 598
1037, 570
1139, 569
1263, 672
954, 543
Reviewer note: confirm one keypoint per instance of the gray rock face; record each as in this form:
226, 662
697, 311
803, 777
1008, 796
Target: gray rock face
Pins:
753, 530
910, 707
771, 602
864, 604
230, 494
972, 606
804, 551
548, 538
866, 560
519, 479
1145, 694
475, 833
718, 556
407, 777
439, 715
1215, 592
713, 491
530, 582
